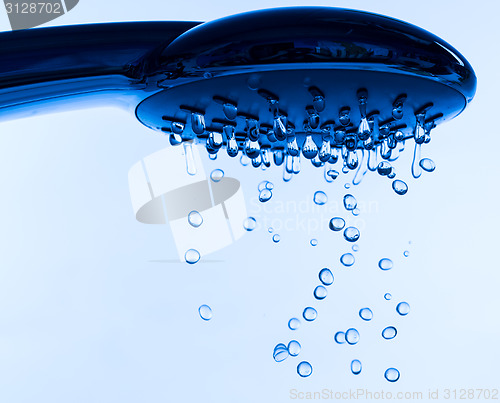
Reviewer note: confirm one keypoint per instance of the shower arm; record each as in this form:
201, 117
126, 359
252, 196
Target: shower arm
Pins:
54, 68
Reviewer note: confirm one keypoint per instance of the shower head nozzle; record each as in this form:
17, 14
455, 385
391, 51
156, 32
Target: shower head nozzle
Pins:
310, 80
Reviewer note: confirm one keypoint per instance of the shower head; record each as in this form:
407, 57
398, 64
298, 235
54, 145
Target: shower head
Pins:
277, 84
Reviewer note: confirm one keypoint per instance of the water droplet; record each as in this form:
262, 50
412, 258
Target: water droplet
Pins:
309, 148
265, 195
278, 157
319, 103
406, 253
276, 238
309, 314
177, 127
294, 348
197, 123
190, 163
399, 187
230, 110
336, 224
384, 168
347, 185
256, 162
192, 256
314, 242
364, 129
252, 149
352, 336
427, 164
293, 324
355, 248
331, 174
280, 352
389, 332
391, 374
403, 308
385, 264
352, 160
213, 157
232, 144
350, 202
356, 367
304, 369
250, 223
195, 219
320, 198
347, 259
279, 127
356, 211
324, 152
339, 337
351, 234
215, 140
387, 296
373, 159
205, 312
313, 119
392, 175
265, 185
320, 292
416, 170
217, 175
296, 164
366, 314
326, 276
174, 139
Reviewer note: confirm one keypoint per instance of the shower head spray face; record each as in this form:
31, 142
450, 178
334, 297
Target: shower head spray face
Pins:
315, 82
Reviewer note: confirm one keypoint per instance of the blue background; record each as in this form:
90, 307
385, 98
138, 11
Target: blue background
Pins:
93, 309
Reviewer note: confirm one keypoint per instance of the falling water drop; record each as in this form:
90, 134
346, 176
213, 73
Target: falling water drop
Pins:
347, 259
366, 314
339, 337
403, 308
399, 187
364, 129
356, 367
320, 292
265, 185
190, 162
389, 333
326, 276
293, 324
416, 170
279, 127
347, 185
352, 159
330, 174
325, 152
309, 314
387, 296
385, 264
215, 140
294, 348
296, 164
280, 352
250, 223
427, 164
309, 148
292, 146
336, 224
351, 234
355, 248
392, 374
192, 256
265, 195
406, 253
276, 238
320, 198
216, 175
350, 202
244, 160
373, 159
384, 168
304, 369
352, 336
205, 312
278, 157
195, 219
314, 242
252, 148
